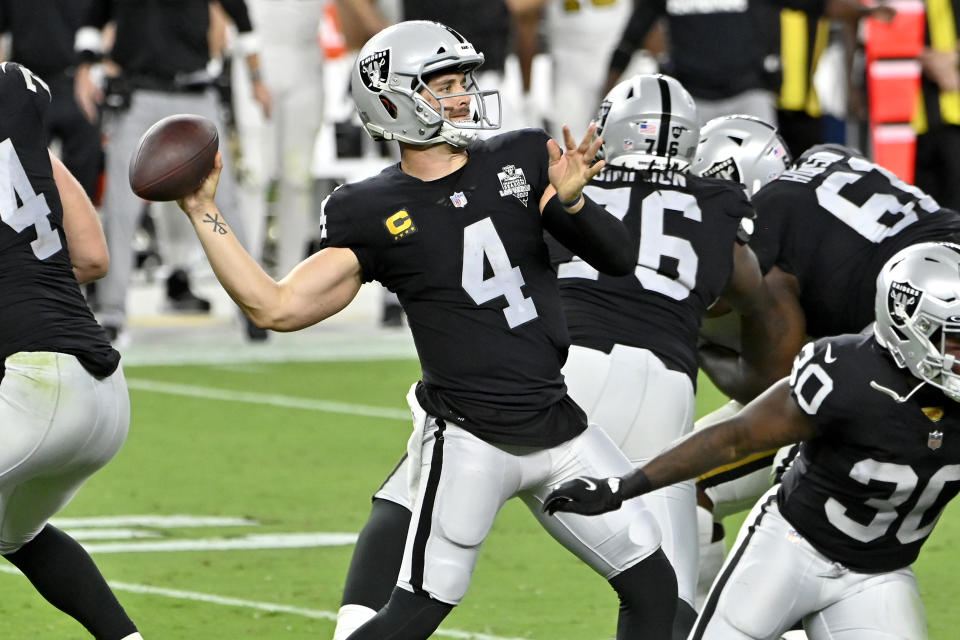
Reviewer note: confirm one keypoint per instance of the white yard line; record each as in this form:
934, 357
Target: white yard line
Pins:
318, 614
171, 521
253, 541
252, 397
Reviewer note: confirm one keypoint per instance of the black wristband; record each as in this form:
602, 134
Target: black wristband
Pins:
572, 203
636, 483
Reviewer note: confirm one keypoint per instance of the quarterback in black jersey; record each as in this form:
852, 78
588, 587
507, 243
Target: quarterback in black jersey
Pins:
633, 360
456, 230
879, 427
64, 408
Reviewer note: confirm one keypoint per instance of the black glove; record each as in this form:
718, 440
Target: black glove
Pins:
587, 496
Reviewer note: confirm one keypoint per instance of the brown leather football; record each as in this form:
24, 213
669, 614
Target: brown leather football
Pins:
173, 157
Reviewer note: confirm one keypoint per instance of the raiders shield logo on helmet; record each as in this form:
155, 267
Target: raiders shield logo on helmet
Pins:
902, 301
375, 69
722, 169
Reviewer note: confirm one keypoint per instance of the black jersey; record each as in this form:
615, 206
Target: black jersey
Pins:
868, 491
686, 228
465, 255
41, 307
832, 221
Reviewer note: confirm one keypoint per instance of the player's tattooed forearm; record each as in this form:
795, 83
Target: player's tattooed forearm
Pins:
219, 225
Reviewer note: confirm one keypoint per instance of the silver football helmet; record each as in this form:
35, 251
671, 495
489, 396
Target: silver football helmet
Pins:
393, 68
918, 312
743, 149
651, 122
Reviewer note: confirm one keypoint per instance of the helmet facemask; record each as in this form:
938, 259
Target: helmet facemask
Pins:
463, 131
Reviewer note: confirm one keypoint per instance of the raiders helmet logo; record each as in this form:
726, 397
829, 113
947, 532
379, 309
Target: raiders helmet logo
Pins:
601, 118
375, 69
723, 169
677, 130
902, 301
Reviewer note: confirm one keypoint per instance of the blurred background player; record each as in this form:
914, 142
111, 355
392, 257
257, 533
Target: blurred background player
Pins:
720, 51
161, 53
833, 543
64, 408
937, 120
276, 152
49, 53
632, 364
578, 41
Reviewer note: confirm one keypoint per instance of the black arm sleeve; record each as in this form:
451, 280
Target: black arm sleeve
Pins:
599, 238
98, 14
645, 13
237, 10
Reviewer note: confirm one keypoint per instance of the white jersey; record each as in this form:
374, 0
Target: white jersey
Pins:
586, 26
581, 36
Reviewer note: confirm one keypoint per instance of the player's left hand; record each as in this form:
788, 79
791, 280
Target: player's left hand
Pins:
572, 169
587, 496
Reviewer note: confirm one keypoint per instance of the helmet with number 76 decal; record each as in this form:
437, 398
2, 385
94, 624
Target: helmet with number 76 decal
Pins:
918, 313
651, 123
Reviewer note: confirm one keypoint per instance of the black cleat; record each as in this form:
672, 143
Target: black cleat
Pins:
179, 296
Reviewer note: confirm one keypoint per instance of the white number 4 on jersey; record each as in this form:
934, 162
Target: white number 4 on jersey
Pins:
34, 210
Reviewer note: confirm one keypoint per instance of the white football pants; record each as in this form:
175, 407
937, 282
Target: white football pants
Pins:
58, 425
459, 482
644, 407
774, 577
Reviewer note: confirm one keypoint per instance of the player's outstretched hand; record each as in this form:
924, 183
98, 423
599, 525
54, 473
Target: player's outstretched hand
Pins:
571, 169
587, 496
200, 200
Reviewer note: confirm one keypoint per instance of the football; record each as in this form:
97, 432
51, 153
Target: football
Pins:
173, 157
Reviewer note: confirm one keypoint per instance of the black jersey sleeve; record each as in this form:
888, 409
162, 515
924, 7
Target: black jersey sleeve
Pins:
817, 381
25, 99
340, 227
601, 239
772, 206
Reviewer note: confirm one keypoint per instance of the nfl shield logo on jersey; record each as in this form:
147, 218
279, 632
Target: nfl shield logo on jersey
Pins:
514, 183
459, 200
935, 439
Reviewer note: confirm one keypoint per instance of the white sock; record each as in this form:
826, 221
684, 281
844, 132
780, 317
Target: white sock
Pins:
711, 555
133, 636
350, 618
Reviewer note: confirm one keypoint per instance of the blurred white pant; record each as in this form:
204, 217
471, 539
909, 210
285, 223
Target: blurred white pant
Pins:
281, 148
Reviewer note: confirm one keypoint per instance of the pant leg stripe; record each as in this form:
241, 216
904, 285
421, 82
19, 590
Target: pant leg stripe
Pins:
710, 606
426, 512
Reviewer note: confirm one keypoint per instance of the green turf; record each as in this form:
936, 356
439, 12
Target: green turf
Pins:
298, 470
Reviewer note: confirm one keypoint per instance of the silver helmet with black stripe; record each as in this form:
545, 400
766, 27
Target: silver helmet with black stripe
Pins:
651, 122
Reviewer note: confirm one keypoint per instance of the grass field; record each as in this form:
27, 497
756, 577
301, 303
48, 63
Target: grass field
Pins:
264, 451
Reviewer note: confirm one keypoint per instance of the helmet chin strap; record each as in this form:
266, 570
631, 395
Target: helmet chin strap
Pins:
893, 394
